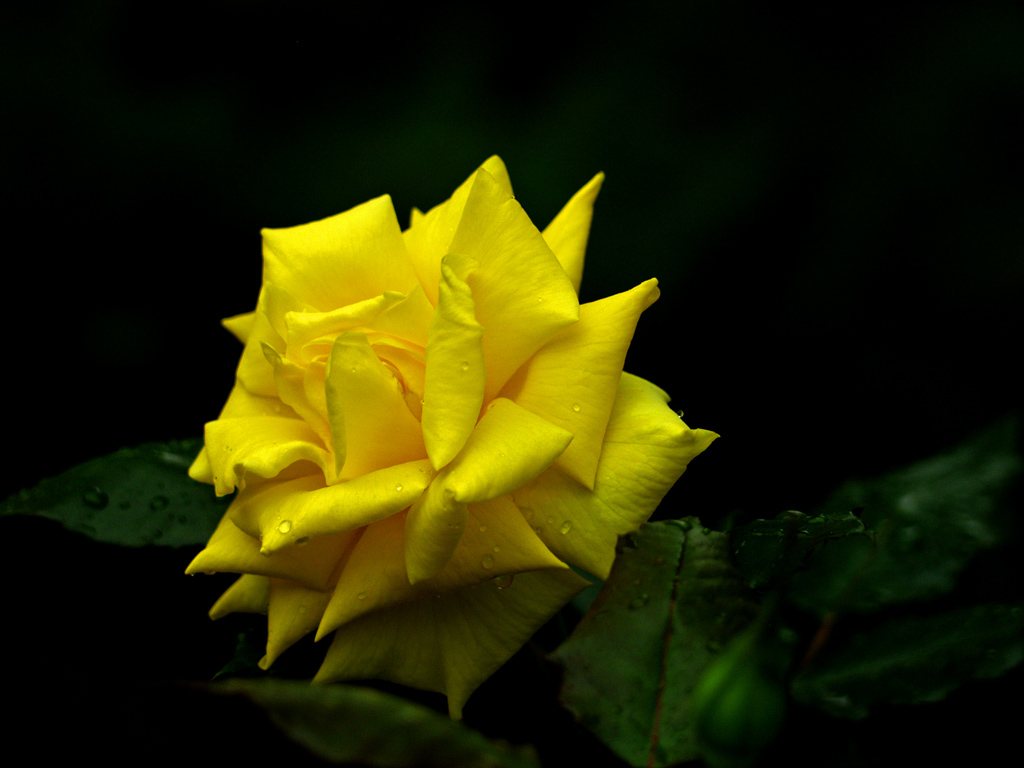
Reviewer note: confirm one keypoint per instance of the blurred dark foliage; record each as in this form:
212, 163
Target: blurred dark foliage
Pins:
830, 197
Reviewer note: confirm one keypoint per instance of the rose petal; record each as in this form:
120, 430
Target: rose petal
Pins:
294, 388
428, 238
231, 550
568, 232
249, 594
262, 445
497, 543
647, 448
523, 297
451, 643
312, 510
240, 325
573, 379
340, 260
365, 402
509, 447
293, 612
455, 375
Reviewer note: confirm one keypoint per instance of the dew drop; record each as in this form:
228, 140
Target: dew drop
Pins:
159, 502
464, 365
507, 584
354, 368
96, 498
285, 526
576, 407
551, 521
483, 528
639, 602
398, 487
565, 527
361, 596
488, 561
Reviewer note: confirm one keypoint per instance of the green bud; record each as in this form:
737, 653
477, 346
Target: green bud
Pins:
738, 705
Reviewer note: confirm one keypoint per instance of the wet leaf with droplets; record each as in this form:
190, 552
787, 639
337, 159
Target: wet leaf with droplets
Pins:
672, 601
929, 519
769, 550
132, 497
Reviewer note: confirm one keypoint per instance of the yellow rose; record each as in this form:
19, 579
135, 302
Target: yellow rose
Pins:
425, 429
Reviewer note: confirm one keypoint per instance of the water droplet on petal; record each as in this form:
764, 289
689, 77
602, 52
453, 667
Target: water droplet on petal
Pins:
464, 365
576, 407
285, 526
159, 502
398, 487
483, 528
551, 521
96, 498
361, 596
507, 584
487, 561
565, 527
497, 549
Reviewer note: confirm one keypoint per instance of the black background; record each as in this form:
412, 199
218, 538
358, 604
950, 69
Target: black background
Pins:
831, 200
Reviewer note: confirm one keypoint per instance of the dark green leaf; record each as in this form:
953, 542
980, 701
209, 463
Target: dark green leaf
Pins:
345, 723
673, 600
767, 550
913, 659
133, 497
930, 519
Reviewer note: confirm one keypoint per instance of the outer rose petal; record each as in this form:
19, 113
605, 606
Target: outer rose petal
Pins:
249, 594
339, 260
646, 449
509, 447
455, 376
573, 379
231, 550
285, 513
293, 612
568, 232
263, 445
458, 639
240, 325
430, 234
497, 543
523, 297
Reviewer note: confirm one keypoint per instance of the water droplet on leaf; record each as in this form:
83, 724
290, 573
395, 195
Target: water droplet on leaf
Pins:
639, 602
96, 498
565, 527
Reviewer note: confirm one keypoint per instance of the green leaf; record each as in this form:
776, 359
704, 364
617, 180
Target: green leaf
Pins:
673, 600
132, 497
930, 520
913, 659
768, 550
351, 724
